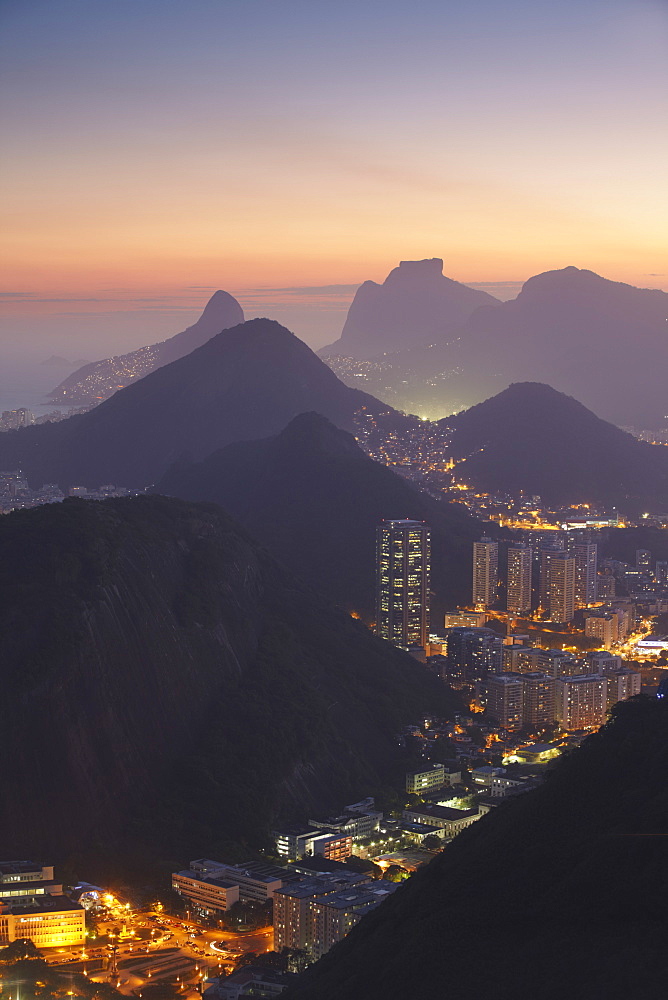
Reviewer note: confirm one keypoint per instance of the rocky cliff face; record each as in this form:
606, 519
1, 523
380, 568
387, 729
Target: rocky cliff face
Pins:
168, 690
415, 305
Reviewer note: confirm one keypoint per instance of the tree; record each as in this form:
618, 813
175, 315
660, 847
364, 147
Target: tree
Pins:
19, 949
432, 842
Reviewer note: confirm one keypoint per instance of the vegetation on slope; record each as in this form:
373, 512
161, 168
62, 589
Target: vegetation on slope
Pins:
171, 692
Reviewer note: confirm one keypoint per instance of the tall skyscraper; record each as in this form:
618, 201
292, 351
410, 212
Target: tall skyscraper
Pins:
561, 588
586, 573
519, 580
547, 552
485, 572
403, 561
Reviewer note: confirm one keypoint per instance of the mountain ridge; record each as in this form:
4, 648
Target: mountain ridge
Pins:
246, 382
314, 498
95, 381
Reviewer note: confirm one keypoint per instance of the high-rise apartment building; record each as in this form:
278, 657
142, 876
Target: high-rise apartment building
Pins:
586, 573
561, 588
644, 561
472, 654
622, 684
548, 552
519, 580
485, 572
403, 562
537, 701
661, 572
581, 701
504, 699
602, 626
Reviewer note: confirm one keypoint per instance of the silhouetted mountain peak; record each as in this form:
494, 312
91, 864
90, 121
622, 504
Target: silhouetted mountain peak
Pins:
534, 438
219, 306
430, 269
312, 432
415, 305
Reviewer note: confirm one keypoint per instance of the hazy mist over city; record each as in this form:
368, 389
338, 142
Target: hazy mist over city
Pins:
333, 499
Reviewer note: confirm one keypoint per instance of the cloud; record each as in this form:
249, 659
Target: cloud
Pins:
15, 295
303, 290
655, 274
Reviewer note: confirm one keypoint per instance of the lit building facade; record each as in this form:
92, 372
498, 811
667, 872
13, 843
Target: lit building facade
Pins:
561, 592
485, 572
403, 562
581, 701
504, 699
537, 701
586, 573
519, 580
425, 779
32, 905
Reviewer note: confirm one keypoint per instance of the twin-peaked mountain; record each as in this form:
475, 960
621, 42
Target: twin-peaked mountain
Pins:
314, 498
603, 342
170, 690
245, 383
533, 438
416, 305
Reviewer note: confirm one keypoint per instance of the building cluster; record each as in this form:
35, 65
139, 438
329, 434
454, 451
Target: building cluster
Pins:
16, 494
34, 907
12, 420
530, 688
313, 907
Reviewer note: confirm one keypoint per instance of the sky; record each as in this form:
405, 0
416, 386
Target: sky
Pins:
286, 151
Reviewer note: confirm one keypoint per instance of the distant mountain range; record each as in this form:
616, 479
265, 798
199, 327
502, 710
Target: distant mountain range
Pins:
415, 306
604, 342
98, 380
245, 383
533, 438
556, 893
314, 498
170, 691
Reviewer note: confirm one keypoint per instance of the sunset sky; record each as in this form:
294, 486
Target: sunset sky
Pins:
287, 150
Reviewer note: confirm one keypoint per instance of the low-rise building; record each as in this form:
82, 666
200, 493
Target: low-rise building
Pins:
48, 921
447, 822
208, 895
425, 779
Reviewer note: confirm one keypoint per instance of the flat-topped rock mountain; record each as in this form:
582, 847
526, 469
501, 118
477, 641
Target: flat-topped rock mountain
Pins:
416, 305
245, 383
97, 380
313, 497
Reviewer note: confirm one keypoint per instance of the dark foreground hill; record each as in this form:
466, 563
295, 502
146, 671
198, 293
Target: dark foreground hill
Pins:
98, 380
416, 305
533, 438
314, 499
559, 893
168, 690
244, 383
